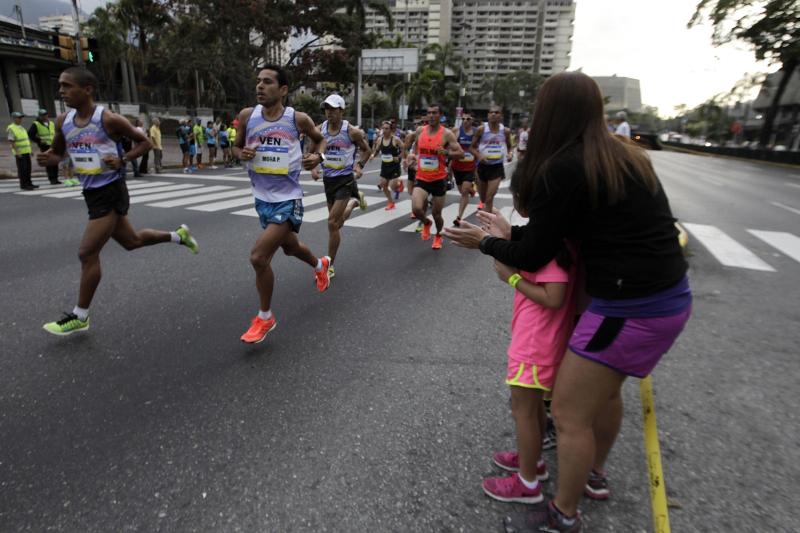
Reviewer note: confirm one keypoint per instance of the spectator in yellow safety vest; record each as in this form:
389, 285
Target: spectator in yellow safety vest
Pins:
21, 148
41, 132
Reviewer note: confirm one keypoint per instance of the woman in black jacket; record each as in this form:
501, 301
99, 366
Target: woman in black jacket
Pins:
581, 183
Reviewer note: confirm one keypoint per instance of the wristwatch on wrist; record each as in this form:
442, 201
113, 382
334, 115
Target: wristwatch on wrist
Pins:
321, 157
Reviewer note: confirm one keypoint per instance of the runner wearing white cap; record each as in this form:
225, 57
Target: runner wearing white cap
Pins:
340, 170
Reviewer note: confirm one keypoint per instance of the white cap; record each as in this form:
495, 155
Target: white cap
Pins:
334, 100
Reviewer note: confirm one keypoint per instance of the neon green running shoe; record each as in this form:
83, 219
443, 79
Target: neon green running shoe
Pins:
186, 238
419, 227
362, 201
68, 325
331, 272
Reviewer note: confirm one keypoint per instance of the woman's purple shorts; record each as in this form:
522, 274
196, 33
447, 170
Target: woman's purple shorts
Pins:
632, 346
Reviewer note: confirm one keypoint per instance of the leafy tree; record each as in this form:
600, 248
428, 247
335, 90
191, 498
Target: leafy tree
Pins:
110, 34
772, 27
377, 104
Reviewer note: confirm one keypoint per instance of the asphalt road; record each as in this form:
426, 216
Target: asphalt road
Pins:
376, 405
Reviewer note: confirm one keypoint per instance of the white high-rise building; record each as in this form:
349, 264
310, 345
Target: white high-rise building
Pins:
418, 22
64, 23
496, 37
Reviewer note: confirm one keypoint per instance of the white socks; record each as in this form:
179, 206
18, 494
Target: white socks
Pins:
80, 312
174, 237
528, 484
264, 315
318, 268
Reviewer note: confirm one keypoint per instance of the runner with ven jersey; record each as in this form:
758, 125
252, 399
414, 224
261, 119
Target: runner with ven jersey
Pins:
268, 139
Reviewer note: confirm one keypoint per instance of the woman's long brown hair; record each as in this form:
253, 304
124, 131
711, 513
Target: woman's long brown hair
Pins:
569, 110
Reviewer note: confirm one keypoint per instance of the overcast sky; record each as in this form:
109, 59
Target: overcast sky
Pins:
648, 40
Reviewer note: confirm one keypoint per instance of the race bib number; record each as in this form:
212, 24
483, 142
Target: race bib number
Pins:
271, 160
429, 164
468, 157
335, 161
387, 158
86, 162
494, 152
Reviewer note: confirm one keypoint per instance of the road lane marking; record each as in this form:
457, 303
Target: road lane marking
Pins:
177, 194
791, 184
203, 198
786, 207
787, 243
726, 250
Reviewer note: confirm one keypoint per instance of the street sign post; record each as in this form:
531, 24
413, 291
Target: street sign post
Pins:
384, 61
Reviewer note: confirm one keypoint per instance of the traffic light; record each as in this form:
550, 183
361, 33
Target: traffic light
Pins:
92, 48
65, 47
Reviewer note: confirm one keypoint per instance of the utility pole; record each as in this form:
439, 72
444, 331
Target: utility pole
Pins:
77, 31
18, 10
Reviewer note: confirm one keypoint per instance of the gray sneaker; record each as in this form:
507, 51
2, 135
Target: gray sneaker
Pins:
544, 519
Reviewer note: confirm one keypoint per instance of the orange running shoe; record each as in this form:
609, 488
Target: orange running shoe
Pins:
323, 280
389, 207
481, 205
437, 242
401, 187
258, 330
426, 230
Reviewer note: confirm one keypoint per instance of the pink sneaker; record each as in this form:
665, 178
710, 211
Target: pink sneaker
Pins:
511, 489
510, 461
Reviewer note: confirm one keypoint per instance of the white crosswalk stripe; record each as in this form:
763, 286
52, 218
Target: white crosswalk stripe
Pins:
178, 193
725, 249
376, 217
321, 213
202, 198
787, 243
307, 200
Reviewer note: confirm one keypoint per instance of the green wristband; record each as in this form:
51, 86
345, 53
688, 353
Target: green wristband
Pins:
513, 279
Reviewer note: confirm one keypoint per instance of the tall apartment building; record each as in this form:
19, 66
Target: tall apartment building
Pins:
495, 36
502, 36
418, 22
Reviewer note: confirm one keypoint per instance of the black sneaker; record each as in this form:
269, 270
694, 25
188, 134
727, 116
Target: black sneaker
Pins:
557, 522
543, 519
597, 486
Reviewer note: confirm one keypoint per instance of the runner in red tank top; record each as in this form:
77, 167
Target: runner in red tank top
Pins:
434, 143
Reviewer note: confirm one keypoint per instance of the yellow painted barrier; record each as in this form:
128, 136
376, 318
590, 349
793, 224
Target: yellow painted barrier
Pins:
658, 491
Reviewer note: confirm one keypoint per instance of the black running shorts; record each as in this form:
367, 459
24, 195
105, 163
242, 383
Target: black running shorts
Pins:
340, 188
103, 200
491, 172
434, 188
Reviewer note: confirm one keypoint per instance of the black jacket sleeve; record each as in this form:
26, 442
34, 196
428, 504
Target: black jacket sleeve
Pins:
33, 135
553, 211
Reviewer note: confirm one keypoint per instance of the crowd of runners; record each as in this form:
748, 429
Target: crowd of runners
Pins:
598, 275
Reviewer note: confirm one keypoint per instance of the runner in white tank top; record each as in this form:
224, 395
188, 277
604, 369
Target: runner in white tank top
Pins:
268, 140
340, 170
491, 146
91, 136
